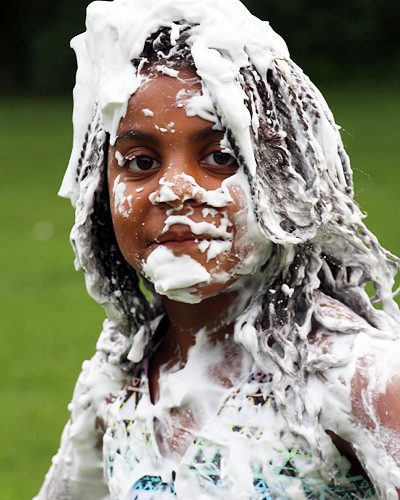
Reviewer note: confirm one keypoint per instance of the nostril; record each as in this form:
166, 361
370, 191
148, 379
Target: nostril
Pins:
192, 201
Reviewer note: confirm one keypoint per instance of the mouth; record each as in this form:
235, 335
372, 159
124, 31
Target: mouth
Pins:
180, 239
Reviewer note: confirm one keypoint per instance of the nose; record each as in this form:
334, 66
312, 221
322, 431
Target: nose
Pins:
177, 188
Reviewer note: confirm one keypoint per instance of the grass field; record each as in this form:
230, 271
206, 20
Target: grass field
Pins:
48, 325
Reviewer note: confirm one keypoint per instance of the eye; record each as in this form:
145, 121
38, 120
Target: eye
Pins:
220, 162
219, 159
141, 163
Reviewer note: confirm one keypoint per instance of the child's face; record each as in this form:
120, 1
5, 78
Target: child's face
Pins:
165, 173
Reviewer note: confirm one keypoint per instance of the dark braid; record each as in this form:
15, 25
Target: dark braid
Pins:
307, 197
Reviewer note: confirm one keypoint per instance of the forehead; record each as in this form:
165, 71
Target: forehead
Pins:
163, 91
172, 103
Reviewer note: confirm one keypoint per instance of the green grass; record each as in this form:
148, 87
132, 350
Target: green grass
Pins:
48, 324
369, 116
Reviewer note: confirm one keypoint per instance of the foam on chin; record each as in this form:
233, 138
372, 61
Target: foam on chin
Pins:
174, 276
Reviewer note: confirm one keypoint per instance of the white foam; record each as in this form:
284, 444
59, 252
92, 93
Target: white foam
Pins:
120, 199
226, 36
116, 32
175, 276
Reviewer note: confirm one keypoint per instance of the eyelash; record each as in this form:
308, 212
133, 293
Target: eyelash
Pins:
138, 158
208, 162
231, 160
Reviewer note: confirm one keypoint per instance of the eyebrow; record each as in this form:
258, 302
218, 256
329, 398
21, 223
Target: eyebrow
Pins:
136, 135
207, 133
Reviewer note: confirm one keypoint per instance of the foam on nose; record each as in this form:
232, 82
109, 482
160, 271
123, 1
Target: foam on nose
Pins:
165, 194
185, 187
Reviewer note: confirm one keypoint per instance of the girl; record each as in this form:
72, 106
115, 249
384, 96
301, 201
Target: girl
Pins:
215, 223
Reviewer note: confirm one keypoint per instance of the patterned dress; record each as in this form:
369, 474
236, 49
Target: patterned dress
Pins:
245, 451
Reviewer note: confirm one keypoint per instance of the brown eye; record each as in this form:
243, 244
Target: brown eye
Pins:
220, 159
220, 163
142, 163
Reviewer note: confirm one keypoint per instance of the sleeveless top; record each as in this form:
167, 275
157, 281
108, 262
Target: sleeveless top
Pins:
244, 452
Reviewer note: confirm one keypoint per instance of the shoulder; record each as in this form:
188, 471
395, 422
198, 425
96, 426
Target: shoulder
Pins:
355, 370
77, 469
345, 347
337, 328
103, 376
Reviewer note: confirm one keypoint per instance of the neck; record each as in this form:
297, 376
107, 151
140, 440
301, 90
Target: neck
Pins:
209, 322
211, 315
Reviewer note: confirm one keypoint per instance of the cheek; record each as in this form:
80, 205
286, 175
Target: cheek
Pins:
239, 215
126, 234
250, 247
128, 227
120, 201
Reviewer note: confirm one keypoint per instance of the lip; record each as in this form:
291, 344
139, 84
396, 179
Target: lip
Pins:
180, 238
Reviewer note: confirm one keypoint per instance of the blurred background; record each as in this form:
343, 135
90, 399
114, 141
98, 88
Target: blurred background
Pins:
48, 324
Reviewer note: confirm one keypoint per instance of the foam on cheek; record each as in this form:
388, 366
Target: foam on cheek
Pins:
217, 247
120, 200
174, 276
252, 245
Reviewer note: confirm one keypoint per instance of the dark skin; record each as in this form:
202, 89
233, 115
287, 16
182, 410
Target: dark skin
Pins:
171, 356
156, 149
387, 405
165, 147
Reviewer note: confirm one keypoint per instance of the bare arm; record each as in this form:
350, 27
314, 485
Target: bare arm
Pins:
359, 406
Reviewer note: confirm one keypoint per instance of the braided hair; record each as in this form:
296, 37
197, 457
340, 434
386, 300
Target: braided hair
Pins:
302, 198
